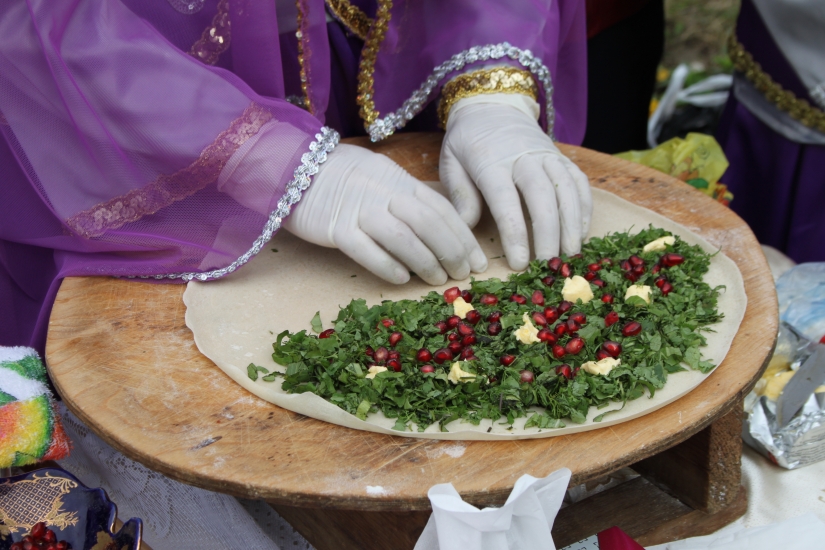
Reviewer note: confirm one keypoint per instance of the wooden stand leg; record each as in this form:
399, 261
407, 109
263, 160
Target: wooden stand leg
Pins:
705, 471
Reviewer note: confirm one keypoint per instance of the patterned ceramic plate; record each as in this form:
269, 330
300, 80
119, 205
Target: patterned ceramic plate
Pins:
83, 517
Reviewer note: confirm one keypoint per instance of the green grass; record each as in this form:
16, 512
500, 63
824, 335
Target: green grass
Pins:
696, 32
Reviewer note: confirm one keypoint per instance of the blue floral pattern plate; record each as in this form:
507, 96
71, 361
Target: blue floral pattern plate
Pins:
83, 517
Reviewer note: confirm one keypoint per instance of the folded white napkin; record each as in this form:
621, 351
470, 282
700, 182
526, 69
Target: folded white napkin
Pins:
523, 523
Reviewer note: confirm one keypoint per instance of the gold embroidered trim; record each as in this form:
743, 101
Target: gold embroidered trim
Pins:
366, 82
498, 80
304, 53
41, 499
356, 21
215, 38
168, 189
799, 109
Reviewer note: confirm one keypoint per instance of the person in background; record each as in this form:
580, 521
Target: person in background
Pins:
773, 126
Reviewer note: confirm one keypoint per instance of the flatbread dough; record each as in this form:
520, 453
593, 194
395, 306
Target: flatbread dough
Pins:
235, 319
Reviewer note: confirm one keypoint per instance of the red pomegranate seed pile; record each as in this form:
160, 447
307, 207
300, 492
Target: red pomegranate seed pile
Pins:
40, 538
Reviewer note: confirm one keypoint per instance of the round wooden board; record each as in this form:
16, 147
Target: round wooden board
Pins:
125, 363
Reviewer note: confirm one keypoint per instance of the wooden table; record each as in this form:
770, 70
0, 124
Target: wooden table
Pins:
125, 363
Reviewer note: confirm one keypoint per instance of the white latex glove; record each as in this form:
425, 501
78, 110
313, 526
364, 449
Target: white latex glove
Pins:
372, 209
494, 145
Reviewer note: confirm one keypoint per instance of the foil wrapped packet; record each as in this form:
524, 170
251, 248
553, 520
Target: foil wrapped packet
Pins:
786, 410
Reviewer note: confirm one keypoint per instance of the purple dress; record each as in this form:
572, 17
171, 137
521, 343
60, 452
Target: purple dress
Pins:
119, 116
777, 165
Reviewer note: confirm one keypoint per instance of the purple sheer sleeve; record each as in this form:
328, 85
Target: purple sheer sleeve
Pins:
422, 44
114, 144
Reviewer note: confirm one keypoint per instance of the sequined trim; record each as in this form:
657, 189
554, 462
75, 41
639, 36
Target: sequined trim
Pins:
499, 80
168, 189
381, 128
369, 52
216, 38
304, 53
324, 143
798, 108
356, 21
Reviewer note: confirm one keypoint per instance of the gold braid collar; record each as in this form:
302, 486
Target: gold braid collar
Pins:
799, 109
498, 80
356, 21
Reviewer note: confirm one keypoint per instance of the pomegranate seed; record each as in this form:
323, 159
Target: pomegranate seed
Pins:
611, 318
546, 335
38, 530
630, 276
394, 355
606, 261
394, 364
395, 337
369, 352
625, 265
670, 260
613, 348
554, 264
426, 369
636, 261
590, 275
598, 282
441, 326
451, 294
564, 370
453, 321
473, 316
576, 371
538, 298
560, 330
518, 298
444, 354
494, 317
494, 329
578, 256
574, 346
594, 267
526, 377
549, 280
539, 319
455, 347
579, 317
466, 353
660, 281
656, 269
465, 330
565, 306
493, 380
558, 351
327, 333
387, 322
667, 288
381, 354
424, 355
468, 340
467, 296
601, 354
638, 270
632, 328
507, 360
572, 326
551, 313
488, 299
565, 270
453, 337
607, 298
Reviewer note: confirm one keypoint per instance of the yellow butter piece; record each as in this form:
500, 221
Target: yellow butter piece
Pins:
461, 308
659, 244
776, 384
375, 370
577, 288
602, 367
527, 333
458, 375
642, 291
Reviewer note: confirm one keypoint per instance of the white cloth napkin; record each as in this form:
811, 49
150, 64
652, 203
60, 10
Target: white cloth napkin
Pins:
523, 523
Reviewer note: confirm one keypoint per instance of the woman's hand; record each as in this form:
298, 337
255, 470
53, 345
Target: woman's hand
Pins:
376, 213
494, 145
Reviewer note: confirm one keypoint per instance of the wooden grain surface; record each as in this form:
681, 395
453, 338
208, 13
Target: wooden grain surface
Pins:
125, 363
